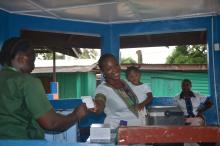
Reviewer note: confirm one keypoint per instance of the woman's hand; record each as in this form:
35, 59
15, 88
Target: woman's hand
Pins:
81, 111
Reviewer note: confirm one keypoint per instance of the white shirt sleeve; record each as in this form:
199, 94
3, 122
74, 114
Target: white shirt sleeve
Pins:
175, 100
200, 97
147, 89
101, 89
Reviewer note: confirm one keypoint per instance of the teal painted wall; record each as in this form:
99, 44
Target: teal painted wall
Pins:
162, 83
74, 85
168, 83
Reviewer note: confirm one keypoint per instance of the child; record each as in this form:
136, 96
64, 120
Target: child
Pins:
142, 90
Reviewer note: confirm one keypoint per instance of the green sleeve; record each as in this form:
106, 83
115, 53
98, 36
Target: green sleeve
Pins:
36, 98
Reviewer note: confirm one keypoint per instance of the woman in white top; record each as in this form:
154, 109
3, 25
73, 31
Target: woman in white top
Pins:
114, 96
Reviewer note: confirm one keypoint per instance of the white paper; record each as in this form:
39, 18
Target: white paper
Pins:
100, 133
88, 101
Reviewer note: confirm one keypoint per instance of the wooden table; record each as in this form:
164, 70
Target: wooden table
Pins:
169, 134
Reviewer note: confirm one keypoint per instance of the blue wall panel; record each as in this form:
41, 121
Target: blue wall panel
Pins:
36, 23
12, 24
45, 143
165, 26
3, 26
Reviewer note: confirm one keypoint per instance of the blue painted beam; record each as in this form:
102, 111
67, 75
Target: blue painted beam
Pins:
164, 26
69, 104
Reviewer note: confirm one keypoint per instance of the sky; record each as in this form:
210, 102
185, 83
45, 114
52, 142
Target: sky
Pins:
150, 55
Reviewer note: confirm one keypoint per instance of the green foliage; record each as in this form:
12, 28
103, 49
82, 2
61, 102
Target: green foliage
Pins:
49, 56
88, 54
189, 54
128, 60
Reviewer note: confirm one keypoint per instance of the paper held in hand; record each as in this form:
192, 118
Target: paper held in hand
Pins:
88, 101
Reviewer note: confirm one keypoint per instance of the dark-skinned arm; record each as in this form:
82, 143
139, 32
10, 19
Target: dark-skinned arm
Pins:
146, 101
58, 122
204, 107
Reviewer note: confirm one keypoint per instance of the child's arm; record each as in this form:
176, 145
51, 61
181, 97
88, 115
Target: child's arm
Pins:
146, 101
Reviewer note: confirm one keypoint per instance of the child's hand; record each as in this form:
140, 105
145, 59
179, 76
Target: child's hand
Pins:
140, 106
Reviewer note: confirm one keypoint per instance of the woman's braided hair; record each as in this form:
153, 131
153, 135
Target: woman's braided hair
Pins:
11, 48
103, 58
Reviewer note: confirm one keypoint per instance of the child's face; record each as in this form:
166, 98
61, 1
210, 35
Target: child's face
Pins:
134, 77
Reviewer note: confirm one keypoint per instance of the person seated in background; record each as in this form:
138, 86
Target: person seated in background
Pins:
142, 90
115, 97
25, 111
192, 103
193, 106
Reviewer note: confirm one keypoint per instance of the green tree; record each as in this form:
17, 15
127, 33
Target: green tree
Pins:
188, 54
49, 56
88, 54
128, 60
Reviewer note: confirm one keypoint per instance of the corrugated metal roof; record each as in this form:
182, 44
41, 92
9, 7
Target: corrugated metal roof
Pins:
170, 67
65, 69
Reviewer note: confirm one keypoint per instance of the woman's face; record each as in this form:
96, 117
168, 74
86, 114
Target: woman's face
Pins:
111, 69
134, 77
25, 63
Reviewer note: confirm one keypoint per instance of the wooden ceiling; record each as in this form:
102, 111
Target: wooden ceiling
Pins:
165, 39
64, 43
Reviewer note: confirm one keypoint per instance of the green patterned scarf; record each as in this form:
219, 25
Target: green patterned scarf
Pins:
128, 96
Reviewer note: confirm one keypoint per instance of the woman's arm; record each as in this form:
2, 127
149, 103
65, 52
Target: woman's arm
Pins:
58, 122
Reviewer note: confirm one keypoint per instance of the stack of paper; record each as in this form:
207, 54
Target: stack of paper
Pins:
100, 133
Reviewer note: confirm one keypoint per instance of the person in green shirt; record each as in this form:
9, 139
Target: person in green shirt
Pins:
25, 112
